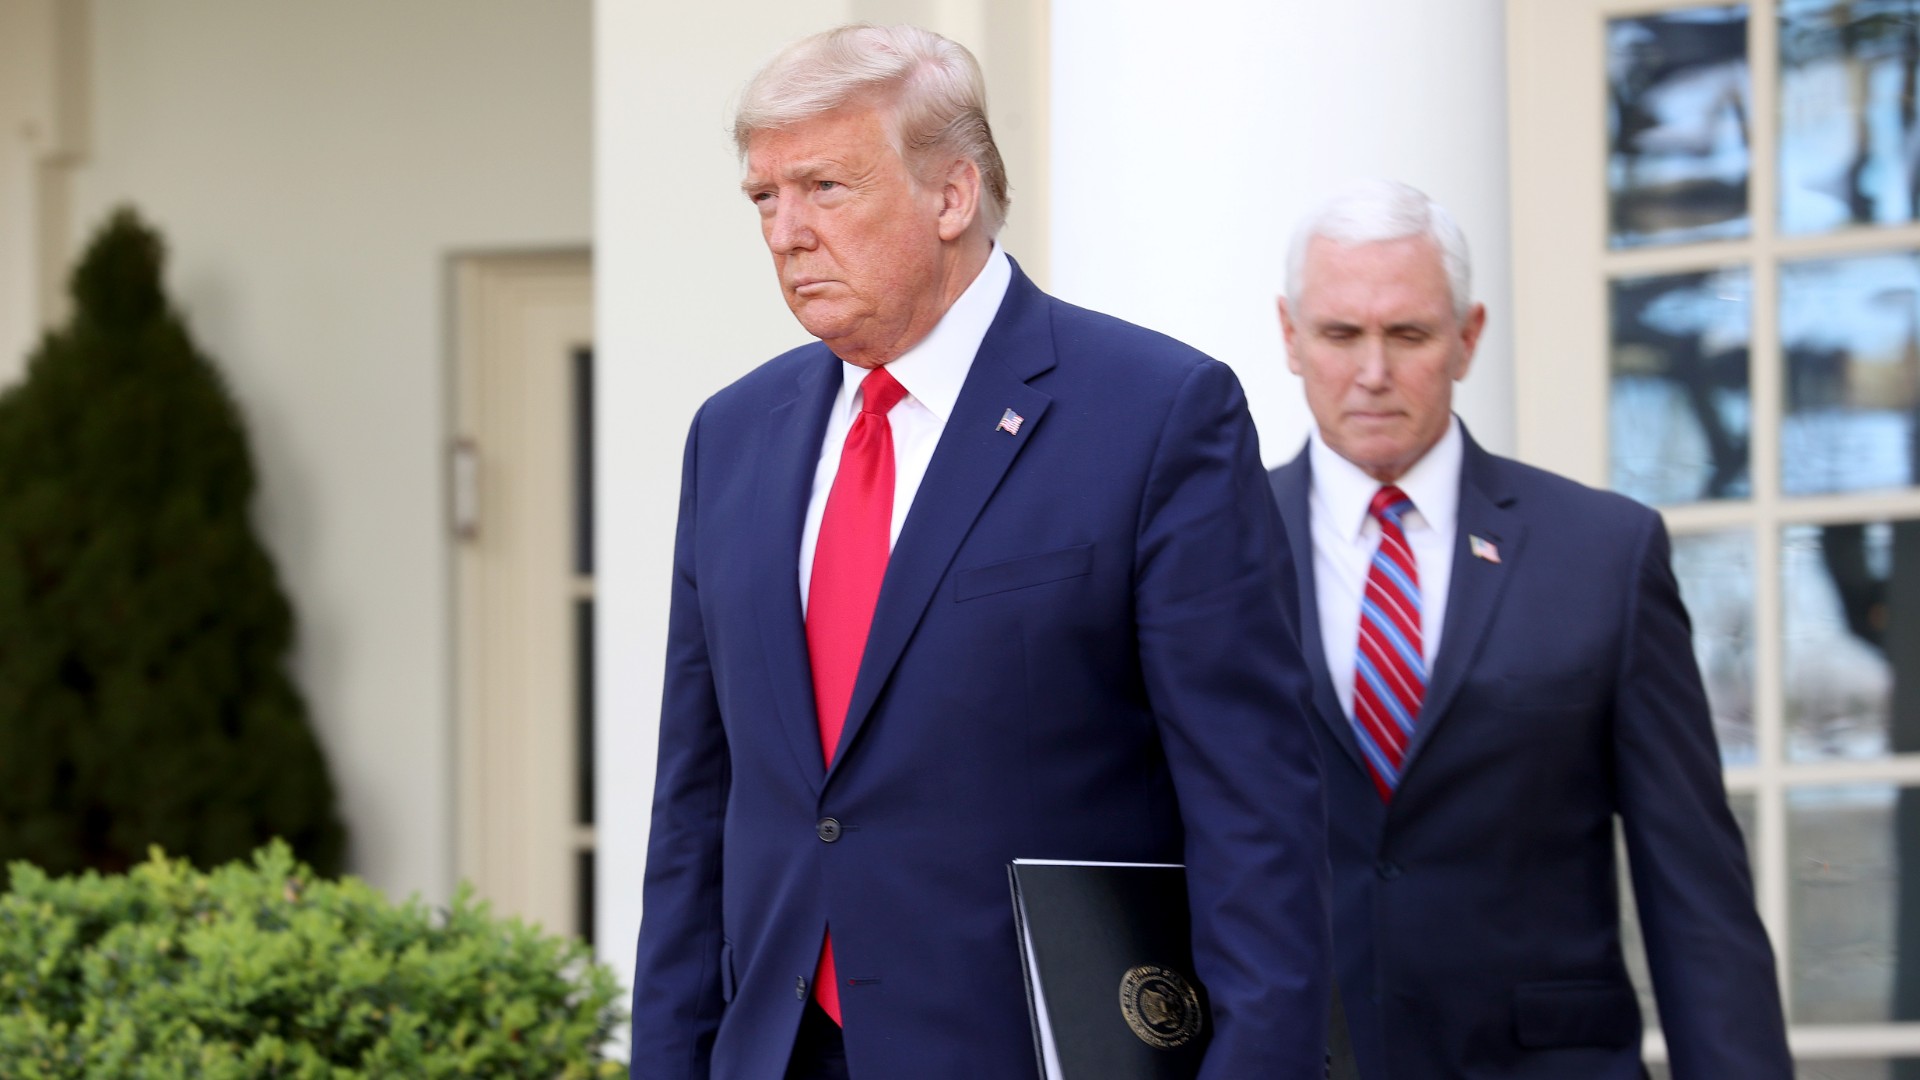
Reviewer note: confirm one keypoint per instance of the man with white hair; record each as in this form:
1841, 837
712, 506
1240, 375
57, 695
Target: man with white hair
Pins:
976, 576
1502, 667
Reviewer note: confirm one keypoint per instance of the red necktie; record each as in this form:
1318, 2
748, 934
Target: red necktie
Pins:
849, 561
1389, 669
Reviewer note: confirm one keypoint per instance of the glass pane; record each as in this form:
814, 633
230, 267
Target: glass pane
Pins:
1850, 629
583, 461
1677, 109
583, 893
1847, 71
1854, 953
1851, 332
1716, 581
1866, 1069
1632, 944
583, 709
1680, 406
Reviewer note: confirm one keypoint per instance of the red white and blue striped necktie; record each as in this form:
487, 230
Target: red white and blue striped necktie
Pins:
1389, 669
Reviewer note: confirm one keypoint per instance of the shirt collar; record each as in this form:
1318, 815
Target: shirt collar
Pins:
1433, 484
934, 369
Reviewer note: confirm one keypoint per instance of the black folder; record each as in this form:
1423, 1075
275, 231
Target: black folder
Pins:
1108, 953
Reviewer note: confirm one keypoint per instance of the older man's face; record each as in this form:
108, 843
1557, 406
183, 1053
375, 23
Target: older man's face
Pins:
1374, 336
855, 239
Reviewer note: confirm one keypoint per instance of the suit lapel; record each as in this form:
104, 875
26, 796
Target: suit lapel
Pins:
794, 429
1474, 593
967, 465
1291, 483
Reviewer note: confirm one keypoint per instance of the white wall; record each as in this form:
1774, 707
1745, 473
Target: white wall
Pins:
1191, 136
312, 166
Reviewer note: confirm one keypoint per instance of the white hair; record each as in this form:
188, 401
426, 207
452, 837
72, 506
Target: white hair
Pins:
1372, 211
930, 87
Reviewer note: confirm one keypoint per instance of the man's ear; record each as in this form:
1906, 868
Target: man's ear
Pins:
1287, 332
1470, 331
959, 199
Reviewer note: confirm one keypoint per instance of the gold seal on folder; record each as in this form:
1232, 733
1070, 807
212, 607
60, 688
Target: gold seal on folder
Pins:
1161, 1006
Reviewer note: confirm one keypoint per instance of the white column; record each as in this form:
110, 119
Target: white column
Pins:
1188, 138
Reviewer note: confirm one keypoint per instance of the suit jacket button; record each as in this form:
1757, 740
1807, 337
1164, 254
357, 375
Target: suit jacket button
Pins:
800, 988
1387, 869
828, 829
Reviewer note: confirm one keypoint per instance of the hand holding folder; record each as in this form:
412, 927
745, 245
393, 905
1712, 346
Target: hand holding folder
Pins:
1106, 948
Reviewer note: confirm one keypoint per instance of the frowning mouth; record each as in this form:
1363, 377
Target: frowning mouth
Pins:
809, 286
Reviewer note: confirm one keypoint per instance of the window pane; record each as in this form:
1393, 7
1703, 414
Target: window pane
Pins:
1716, 581
583, 893
583, 461
1677, 139
583, 710
1680, 406
1851, 331
1847, 612
1847, 70
1854, 951
1865, 1069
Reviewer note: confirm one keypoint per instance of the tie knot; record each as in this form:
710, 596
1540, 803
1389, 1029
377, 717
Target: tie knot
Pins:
880, 392
1390, 504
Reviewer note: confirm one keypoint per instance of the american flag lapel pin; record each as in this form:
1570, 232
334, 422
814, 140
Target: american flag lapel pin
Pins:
1010, 422
1483, 548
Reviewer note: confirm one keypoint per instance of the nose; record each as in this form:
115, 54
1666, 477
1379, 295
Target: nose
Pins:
1371, 364
789, 228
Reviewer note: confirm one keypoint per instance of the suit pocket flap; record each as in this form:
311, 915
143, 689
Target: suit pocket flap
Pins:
1585, 1012
1024, 571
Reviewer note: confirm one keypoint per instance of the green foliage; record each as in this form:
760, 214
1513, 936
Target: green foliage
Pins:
264, 970
143, 632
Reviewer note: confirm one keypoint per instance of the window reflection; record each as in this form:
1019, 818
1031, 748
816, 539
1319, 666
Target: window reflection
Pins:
1677, 126
1680, 405
1847, 117
1851, 332
1850, 626
1854, 941
1717, 581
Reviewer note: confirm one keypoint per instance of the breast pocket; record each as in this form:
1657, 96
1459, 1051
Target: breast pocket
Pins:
1023, 572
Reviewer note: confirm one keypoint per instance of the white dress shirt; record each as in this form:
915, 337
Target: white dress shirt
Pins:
932, 373
1345, 537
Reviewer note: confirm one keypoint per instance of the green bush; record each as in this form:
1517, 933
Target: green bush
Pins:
267, 970
144, 696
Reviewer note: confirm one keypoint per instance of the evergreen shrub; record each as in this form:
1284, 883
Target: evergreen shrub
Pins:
144, 697
263, 969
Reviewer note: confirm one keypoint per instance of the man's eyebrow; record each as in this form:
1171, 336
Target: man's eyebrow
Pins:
799, 170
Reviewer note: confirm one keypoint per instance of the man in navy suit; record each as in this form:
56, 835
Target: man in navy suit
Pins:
1502, 668
977, 575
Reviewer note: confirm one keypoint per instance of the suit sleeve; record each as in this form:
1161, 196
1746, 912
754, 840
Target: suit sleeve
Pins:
1713, 971
676, 984
1228, 688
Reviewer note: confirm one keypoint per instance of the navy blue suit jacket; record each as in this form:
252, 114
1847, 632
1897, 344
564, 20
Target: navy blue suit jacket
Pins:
1080, 651
1476, 925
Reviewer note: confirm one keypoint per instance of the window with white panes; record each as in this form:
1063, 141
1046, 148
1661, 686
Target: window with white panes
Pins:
1717, 312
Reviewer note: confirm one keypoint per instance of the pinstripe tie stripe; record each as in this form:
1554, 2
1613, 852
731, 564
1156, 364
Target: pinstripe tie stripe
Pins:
1389, 669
